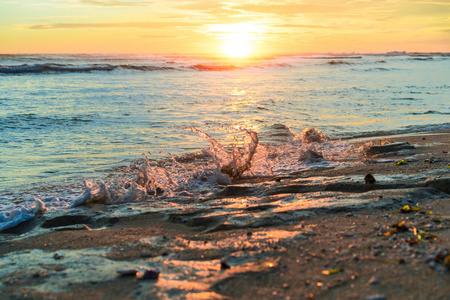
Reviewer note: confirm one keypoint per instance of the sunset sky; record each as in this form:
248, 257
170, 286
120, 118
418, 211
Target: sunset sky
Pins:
205, 26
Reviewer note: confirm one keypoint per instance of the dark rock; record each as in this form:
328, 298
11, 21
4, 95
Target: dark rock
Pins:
66, 220
127, 272
374, 280
369, 178
39, 274
311, 156
147, 254
373, 150
376, 297
224, 265
441, 184
150, 274
57, 256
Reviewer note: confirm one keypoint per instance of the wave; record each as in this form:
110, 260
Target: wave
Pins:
148, 180
430, 112
206, 67
405, 99
376, 69
333, 57
34, 121
52, 68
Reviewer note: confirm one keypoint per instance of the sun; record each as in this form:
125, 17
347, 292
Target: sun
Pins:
237, 39
237, 46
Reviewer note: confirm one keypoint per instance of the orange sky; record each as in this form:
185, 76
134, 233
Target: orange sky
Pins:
204, 26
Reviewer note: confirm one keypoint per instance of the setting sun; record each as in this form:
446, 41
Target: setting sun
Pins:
237, 39
237, 47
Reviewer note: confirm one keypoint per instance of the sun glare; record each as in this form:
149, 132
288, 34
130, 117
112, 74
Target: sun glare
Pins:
238, 39
237, 47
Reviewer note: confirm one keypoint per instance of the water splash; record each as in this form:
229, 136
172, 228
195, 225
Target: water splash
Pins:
240, 159
196, 174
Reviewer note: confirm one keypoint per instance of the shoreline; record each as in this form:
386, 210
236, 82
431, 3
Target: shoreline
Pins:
283, 240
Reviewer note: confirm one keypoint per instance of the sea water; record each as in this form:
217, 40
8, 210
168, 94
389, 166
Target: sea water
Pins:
65, 118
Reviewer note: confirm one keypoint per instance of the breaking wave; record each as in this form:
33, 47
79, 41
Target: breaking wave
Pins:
279, 152
69, 68
430, 112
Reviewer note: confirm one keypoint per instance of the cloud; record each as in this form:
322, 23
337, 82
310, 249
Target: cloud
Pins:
288, 9
303, 26
204, 5
164, 37
432, 2
111, 25
116, 3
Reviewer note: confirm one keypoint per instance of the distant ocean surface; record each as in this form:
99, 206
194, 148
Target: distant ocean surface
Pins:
68, 117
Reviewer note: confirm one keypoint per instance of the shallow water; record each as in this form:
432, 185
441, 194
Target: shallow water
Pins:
86, 114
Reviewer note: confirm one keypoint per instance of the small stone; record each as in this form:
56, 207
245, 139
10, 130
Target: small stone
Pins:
224, 265
376, 297
150, 274
369, 178
127, 272
146, 254
57, 256
39, 275
185, 194
348, 235
374, 280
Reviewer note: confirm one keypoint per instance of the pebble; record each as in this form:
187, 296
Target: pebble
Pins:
185, 194
150, 274
224, 265
146, 254
127, 272
369, 178
348, 235
376, 297
57, 256
374, 280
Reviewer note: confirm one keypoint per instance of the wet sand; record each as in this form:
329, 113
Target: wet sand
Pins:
323, 234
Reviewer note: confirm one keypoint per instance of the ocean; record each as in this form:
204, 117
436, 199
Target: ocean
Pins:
135, 127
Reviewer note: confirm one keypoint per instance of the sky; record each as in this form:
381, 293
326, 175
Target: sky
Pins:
229, 27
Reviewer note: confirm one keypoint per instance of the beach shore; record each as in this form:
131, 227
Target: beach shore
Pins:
325, 234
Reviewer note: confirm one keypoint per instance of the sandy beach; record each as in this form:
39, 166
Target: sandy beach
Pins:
326, 234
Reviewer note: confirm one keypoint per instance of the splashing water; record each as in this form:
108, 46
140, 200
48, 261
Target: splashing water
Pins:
188, 176
241, 159
217, 165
